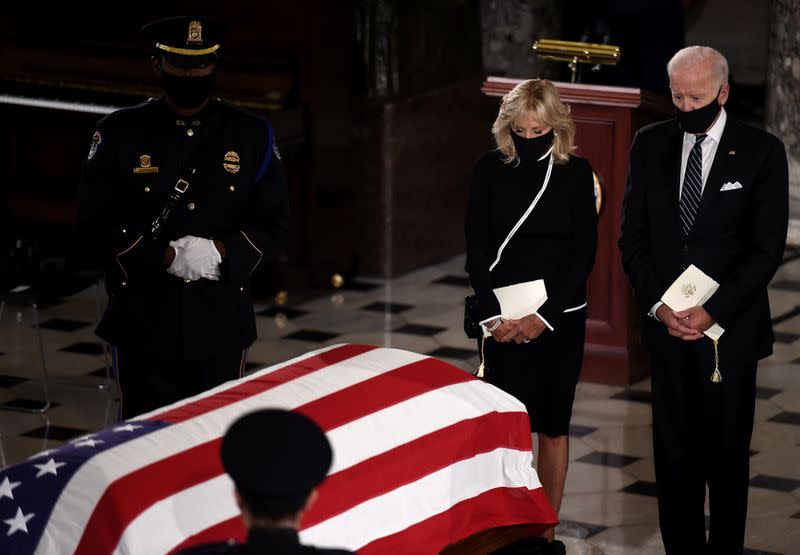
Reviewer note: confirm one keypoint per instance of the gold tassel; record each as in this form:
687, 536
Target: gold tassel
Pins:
716, 377
481, 367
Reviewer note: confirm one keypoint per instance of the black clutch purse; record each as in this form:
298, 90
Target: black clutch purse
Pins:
471, 323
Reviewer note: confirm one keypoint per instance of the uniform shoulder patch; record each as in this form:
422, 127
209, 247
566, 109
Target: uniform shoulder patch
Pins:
97, 138
275, 150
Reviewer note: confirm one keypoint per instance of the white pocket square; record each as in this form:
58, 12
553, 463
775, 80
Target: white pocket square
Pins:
731, 186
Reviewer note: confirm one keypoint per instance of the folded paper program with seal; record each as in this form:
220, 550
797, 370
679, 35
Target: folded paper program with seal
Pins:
694, 288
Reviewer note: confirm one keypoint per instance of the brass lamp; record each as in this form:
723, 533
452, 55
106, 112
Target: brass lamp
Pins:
577, 53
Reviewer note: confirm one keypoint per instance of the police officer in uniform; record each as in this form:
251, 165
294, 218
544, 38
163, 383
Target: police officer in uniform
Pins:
182, 197
276, 459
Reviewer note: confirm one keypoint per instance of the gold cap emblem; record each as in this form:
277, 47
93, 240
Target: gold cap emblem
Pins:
688, 290
144, 161
195, 34
231, 162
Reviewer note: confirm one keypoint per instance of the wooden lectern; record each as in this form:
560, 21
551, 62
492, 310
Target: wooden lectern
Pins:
607, 119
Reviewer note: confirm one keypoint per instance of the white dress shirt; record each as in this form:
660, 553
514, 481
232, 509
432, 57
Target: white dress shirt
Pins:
709, 149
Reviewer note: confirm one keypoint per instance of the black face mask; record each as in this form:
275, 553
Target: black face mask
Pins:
188, 91
530, 150
698, 121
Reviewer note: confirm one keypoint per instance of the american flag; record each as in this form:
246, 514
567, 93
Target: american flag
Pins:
424, 455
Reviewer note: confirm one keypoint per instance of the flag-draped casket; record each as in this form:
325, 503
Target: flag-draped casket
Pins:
424, 455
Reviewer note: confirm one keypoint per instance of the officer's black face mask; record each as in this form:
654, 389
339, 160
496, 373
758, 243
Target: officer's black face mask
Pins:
530, 150
698, 121
188, 91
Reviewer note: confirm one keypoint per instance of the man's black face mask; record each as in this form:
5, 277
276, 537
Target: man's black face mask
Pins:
188, 91
698, 121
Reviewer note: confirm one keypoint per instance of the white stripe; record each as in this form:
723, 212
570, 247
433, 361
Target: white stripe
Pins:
169, 522
78, 499
57, 104
526, 214
574, 308
352, 443
431, 495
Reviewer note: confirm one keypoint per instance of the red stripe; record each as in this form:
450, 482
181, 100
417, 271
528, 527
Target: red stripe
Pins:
231, 529
409, 462
260, 384
493, 508
381, 391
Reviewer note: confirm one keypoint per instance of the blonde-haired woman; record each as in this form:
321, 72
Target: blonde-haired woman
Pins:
536, 358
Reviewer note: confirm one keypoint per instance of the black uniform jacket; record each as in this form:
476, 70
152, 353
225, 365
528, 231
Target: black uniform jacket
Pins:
737, 238
263, 541
237, 195
556, 243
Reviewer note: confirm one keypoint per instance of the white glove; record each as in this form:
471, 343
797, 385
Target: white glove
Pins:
195, 258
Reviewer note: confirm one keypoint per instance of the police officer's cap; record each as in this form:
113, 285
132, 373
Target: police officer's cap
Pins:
186, 40
276, 453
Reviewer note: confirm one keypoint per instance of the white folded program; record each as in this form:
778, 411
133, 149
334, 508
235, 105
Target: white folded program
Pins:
521, 299
692, 288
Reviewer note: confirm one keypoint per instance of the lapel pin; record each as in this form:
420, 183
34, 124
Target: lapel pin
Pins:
732, 152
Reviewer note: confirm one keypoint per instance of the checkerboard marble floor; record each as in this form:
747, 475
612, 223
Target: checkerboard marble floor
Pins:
609, 506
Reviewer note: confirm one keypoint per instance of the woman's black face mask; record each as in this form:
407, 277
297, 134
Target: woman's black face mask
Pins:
530, 150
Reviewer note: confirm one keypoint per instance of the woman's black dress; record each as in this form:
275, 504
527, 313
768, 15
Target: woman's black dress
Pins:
556, 243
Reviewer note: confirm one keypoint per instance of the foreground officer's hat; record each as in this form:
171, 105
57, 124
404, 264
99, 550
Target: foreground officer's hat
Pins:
187, 39
276, 453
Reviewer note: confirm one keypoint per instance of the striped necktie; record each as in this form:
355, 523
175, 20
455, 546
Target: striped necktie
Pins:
692, 190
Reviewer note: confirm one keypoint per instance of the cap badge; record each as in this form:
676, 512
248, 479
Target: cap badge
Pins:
195, 35
231, 162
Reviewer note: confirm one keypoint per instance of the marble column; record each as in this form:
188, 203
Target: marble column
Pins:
783, 97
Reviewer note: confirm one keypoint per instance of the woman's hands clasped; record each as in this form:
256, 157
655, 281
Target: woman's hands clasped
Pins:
523, 330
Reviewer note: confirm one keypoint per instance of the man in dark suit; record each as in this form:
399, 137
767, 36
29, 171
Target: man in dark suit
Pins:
708, 191
276, 459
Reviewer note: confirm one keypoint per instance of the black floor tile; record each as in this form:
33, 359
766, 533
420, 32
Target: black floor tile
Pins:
641, 488
774, 483
608, 459
786, 316
357, 285
27, 404
460, 281
787, 417
394, 308
636, 395
99, 373
7, 381
766, 392
61, 433
786, 284
85, 348
311, 335
289, 313
576, 430
420, 329
250, 366
64, 324
578, 530
786, 337
452, 352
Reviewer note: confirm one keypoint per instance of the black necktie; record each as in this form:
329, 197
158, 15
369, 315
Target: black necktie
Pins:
692, 190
